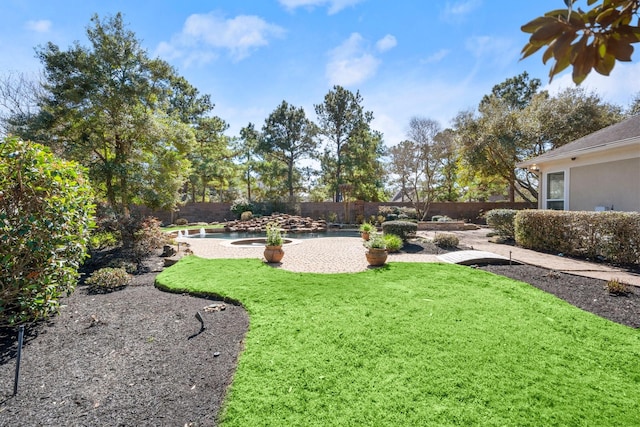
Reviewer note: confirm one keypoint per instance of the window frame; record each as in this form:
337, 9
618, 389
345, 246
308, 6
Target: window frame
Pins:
547, 188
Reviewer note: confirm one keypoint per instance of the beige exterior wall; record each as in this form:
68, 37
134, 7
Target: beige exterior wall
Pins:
605, 178
612, 185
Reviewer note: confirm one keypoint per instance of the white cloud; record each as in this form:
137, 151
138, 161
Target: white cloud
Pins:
436, 57
349, 72
351, 63
457, 11
386, 43
334, 6
40, 26
203, 34
493, 51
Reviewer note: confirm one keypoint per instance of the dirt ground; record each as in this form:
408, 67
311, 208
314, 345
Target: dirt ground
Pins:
139, 357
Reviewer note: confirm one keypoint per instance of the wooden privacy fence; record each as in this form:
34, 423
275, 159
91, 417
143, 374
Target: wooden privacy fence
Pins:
350, 212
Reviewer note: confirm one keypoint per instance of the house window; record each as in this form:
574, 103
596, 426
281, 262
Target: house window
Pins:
555, 191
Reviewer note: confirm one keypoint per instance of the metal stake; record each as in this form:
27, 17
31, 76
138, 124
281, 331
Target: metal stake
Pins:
17, 377
201, 320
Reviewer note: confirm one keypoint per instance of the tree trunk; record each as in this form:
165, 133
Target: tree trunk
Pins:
290, 178
249, 185
120, 162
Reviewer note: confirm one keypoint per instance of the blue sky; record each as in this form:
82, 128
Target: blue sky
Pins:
407, 58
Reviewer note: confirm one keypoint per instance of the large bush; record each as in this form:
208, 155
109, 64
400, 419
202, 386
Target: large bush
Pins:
502, 221
610, 236
45, 215
402, 229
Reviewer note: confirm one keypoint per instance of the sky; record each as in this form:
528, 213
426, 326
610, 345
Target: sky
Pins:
406, 58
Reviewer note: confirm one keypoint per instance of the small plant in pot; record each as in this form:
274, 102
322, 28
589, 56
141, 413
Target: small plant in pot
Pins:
366, 229
273, 251
377, 249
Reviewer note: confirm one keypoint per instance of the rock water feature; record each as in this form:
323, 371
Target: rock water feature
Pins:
290, 224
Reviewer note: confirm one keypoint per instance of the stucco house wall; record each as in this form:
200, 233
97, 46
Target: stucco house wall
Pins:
590, 186
600, 171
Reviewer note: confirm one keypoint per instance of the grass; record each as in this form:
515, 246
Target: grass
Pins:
416, 344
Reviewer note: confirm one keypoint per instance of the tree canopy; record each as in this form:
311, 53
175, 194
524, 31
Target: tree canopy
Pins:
345, 125
503, 133
288, 136
212, 170
123, 115
591, 39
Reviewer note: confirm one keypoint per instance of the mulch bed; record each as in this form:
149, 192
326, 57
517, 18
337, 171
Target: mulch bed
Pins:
138, 356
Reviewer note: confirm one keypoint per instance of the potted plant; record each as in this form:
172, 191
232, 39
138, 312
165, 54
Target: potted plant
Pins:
376, 249
273, 251
366, 229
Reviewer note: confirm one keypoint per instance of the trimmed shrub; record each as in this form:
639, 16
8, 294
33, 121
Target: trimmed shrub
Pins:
410, 213
103, 239
240, 206
390, 213
502, 221
446, 240
610, 236
402, 229
246, 216
386, 210
108, 280
45, 217
394, 243
182, 221
129, 266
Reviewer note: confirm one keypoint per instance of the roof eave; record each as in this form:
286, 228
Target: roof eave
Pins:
549, 157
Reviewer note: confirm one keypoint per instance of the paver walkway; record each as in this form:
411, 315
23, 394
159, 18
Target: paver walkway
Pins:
346, 255
477, 239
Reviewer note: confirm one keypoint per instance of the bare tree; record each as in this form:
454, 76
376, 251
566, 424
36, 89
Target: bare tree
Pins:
417, 162
19, 97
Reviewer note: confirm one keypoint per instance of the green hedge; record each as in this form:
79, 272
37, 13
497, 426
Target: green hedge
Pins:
502, 221
402, 229
611, 236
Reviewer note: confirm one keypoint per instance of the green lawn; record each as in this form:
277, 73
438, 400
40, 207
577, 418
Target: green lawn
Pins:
416, 344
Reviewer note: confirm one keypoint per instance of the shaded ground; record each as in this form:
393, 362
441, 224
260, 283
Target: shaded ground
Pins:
135, 357
131, 357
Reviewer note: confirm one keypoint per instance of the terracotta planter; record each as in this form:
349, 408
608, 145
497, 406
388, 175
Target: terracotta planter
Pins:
376, 257
365, 235
273, 253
